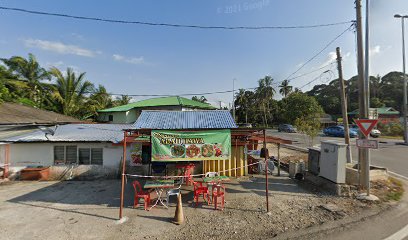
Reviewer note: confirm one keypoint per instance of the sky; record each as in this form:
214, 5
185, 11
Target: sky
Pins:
140, 59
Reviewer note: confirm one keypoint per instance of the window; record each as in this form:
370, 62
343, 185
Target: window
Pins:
70, 154
73, 155
59, 155
97, 156
110, 118
84, 156
65, 155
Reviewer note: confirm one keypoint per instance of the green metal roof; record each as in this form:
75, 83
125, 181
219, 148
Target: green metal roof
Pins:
163, 101
383, 110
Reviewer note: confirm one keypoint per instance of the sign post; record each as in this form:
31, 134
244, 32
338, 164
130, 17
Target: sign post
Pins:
365, 126
367, 143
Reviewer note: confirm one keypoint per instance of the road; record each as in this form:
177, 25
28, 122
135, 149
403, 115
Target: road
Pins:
390, 154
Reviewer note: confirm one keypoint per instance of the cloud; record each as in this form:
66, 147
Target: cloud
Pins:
376, 50
59, 47
78, 36
54, 64
132, 60
332, 56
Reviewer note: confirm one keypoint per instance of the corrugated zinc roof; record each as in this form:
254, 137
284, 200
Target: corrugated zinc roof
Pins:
76, 133
383, 110
163, 101
215, 119
18, 114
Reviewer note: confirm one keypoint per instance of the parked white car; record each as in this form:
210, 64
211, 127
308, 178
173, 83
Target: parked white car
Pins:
375, 133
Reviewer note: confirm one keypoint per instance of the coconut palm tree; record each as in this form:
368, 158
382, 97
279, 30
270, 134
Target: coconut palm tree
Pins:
265, 92
70, 90
199, 99
285, 89
99, 99
29, 70
122, 100
242, 101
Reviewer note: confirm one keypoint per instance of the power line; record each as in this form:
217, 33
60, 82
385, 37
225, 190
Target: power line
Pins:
324, 48
317, 78
169, 24
316, 70
210, 93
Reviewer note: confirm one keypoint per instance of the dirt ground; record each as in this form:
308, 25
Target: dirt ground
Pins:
89, 210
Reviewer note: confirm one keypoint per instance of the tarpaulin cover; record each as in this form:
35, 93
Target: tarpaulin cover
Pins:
191, 146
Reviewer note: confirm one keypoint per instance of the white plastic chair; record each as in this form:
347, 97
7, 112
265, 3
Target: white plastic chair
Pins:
211, 174
174, 191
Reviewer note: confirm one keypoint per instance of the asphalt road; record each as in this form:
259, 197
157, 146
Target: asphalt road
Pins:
390, 154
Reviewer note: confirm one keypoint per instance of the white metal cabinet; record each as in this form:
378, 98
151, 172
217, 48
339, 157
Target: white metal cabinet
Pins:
333, 161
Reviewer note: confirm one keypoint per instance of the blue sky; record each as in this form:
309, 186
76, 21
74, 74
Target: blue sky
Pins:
135, 59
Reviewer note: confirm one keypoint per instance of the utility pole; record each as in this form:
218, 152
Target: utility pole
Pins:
343, 105
367, 57
367, 90
363, 110
233, 98
404, 107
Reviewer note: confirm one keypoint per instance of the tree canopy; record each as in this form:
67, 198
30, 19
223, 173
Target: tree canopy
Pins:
25, 81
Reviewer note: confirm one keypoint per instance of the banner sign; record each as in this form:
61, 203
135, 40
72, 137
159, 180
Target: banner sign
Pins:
170, 145
136, 154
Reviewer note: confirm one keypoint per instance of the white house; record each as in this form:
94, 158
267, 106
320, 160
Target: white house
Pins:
73, 150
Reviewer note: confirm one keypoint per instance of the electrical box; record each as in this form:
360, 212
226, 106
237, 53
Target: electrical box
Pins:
333, 161
313, 162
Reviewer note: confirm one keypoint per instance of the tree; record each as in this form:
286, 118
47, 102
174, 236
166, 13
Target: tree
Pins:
285, 89
265, 93
201, 99
99, 99
70, 91
375, 86
29, 70
376, 103
246, 107
304, 112
122, 100
309, 125
300, 105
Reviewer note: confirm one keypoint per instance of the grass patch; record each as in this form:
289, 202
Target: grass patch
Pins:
388, 190
396, 190
392, 137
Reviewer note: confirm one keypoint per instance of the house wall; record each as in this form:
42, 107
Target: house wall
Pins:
35, 154
132, 115
23, 154
118, 117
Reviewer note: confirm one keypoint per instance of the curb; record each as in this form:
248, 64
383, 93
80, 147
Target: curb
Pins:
293, 147
325, 230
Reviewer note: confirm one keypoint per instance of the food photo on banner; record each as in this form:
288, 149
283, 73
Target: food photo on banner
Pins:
136, 154
191, 146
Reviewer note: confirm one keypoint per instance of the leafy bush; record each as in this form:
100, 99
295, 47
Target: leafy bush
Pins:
392, 129
396, 130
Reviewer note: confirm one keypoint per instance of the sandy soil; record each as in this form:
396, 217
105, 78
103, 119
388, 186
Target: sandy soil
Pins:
89, 210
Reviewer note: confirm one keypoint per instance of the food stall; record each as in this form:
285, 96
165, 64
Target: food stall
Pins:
209, 139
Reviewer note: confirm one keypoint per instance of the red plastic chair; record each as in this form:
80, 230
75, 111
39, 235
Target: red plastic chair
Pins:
199, 189
188, 172
218, 192
139, 193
